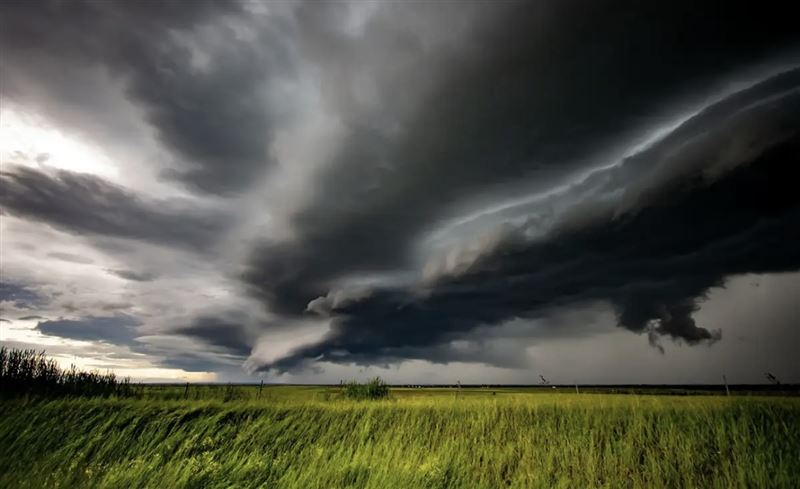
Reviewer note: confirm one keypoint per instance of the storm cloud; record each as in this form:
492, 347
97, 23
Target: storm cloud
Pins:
343, 185
726, 206
119, 329
527, 97
86, 204
208, 103
21, 296
228, 334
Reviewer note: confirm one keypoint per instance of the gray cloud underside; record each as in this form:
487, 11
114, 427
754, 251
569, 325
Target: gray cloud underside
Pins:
120, 329
20, 296
85, 204
215, 119
447, 112
131, 275
224, 340
717, 201
528, 96
227, 334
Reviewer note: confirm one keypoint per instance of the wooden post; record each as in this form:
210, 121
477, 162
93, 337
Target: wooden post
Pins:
576, 389
259, 389
186, 391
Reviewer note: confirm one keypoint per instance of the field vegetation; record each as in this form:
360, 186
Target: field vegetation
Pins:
26, 373
371, 436
372, 389
314, 437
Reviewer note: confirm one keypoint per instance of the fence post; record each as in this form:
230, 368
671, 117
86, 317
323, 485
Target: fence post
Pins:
259, 389
186, 391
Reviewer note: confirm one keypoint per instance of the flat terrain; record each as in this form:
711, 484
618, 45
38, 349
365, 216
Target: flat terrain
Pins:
310, 437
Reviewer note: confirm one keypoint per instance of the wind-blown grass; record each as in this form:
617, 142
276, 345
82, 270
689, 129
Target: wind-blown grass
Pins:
293, 438
32, 373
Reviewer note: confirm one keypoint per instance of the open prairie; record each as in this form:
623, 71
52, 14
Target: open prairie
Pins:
313, 437
560, 236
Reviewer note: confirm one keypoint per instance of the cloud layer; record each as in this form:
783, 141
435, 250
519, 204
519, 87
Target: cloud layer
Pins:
349, 184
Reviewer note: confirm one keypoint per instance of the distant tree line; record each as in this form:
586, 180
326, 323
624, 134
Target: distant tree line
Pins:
28, 373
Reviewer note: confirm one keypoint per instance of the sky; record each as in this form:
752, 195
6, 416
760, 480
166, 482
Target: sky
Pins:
596, 191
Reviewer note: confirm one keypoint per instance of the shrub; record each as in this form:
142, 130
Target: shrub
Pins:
372, 389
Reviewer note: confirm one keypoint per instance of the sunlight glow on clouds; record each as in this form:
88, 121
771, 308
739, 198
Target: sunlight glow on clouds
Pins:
28, 140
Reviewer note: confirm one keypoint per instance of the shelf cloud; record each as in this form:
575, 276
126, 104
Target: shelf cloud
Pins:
356, 185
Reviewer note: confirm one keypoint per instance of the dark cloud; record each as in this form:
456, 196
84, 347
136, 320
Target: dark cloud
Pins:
191, 362
118, 330
72, 258
432, 119
85, 204
30, 318
527, 93
123, 330
653, 262
505, 345
116, 306
134, 276
21, 296
226, 334
202, 85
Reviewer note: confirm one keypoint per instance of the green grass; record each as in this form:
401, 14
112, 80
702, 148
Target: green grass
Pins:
373, 389
310, 437
25, 373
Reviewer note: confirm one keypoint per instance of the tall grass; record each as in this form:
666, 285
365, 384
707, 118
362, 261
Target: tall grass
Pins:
291, 438
32, 373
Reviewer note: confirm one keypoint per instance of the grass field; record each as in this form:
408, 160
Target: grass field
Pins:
310, 437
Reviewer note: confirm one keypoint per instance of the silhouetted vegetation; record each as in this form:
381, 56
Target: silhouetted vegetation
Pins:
373, 389
31, 373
